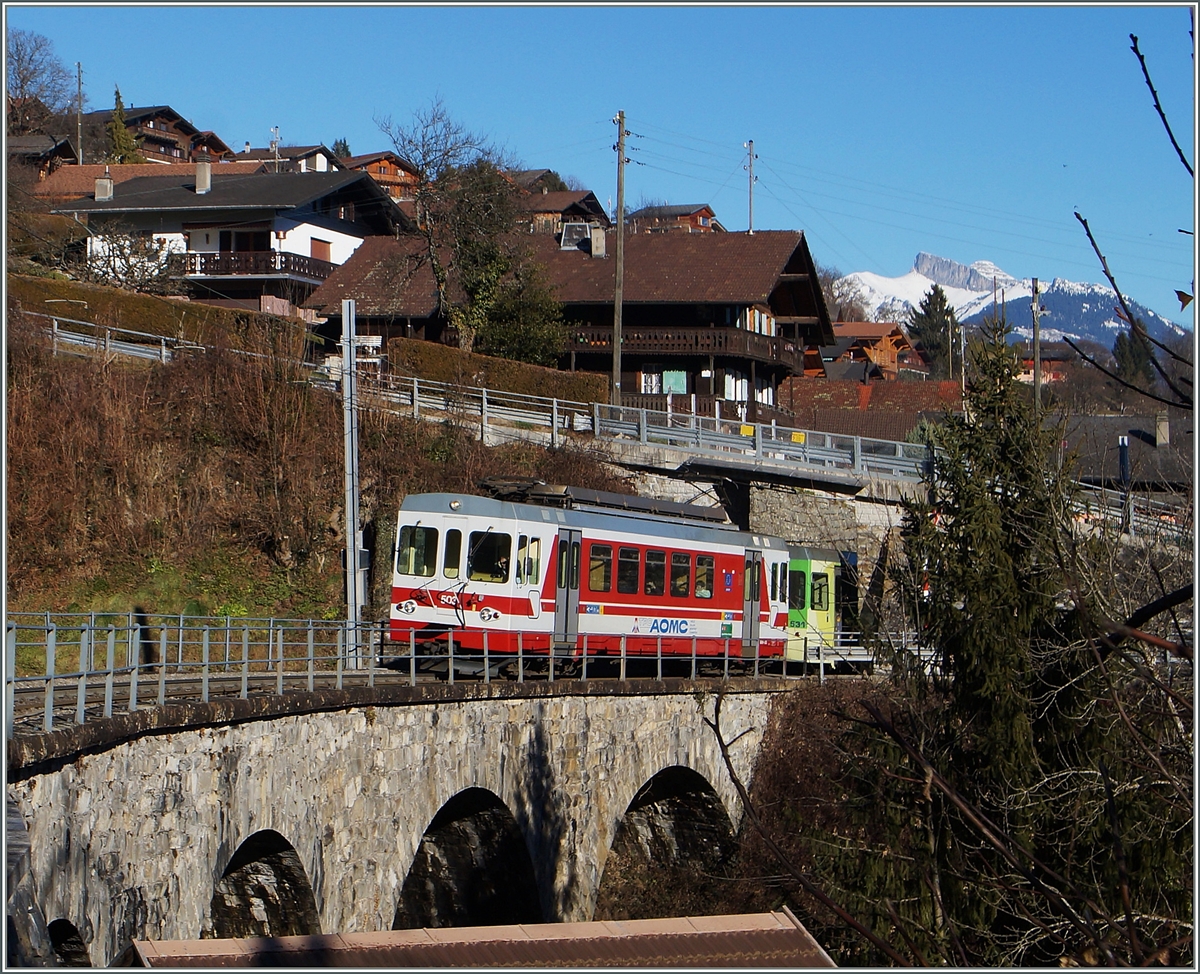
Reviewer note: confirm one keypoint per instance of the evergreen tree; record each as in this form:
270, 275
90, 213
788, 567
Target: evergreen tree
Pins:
341, 148
123, 146
525, 322
935, 327
1132, 356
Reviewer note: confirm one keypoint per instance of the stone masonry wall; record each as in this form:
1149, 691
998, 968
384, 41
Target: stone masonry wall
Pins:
129, 841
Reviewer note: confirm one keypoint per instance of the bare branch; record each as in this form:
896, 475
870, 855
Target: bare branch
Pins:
1158, 105
1112, 375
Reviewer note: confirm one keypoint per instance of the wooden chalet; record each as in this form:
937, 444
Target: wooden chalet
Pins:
876, 350
397, 176
164, 136
688, 217
1055, 356
44, 154
292, 158
547, 211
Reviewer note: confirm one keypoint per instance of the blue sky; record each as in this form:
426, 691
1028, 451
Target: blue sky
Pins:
970, 132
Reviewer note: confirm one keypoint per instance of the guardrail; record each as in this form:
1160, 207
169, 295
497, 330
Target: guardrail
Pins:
63, 669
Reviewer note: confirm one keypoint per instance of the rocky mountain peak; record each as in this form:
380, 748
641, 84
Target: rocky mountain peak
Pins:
949, 273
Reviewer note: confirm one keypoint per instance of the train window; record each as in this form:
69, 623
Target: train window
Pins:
774, 582
627, 570
655, 582
681, 574
418, 551
488, 558
575, 546
528, 560
750, 582
562, 563
453, 554
797, 589
600, 568
820, 591
704, 576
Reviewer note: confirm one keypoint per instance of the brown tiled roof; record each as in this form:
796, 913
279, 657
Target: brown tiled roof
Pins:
552, 202
865, 329
387, 277
750, 940
685, 268
76, 182
355, 162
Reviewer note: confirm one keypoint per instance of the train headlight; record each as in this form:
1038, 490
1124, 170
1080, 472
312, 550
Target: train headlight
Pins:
408, 607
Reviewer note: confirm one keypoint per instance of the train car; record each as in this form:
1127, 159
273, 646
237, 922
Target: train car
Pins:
811, 599
570, 570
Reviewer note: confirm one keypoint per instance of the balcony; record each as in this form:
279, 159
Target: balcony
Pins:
252, 263
683, 404
668, 341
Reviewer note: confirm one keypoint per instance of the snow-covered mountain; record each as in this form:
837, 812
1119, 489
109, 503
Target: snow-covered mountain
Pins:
1079, 311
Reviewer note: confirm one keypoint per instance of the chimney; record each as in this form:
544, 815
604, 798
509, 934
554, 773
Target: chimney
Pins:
104, 187
247, 149
203, 177
1162, 430
597, 241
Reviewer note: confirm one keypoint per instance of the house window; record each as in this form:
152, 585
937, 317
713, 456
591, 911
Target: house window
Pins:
674, 382
703, 221
651, 383
320, 250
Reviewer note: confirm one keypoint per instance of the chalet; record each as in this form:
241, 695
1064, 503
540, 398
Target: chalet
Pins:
714, 321
43, 154
1055, 356
264, 241
546, 212
293, 158
397, 176
690, 218
163, 134
876, 350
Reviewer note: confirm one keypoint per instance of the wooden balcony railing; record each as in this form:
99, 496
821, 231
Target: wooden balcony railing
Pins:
667, 340
684, 404
260, 263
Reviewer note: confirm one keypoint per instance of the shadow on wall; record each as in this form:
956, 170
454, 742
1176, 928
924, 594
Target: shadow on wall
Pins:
674, 845
264, 892
68, 944
471, 869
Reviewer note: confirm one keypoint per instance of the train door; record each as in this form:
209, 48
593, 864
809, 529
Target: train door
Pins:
751, 599
821, 604
798, 572
566, 593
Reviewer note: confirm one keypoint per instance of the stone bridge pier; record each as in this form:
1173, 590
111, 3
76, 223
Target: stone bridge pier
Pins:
350, 811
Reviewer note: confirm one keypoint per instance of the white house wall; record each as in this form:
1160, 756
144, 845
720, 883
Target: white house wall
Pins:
297, 239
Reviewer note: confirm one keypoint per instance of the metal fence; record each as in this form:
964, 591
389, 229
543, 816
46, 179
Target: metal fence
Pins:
64, 669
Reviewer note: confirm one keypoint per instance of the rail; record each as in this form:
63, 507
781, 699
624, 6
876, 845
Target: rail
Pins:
64, 669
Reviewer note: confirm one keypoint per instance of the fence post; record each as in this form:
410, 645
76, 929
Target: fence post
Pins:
85, 654
370, 654
483, 416
622, 658
727, 658
279, 671
110, 660
245, 662
162, 667
53, 336
857, 454
10, 687
416, 398
554, 424
311, 652
340, 659
412, 657
758, 439
693, 657
659, 641
133, 660
204, 665
450, 657
583, 669
821, 659
757, 655
595, 419
520, 657
486, 676
51, 666
642, 425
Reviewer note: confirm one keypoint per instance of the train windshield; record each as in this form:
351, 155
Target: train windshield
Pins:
417, 554
488, 560
796, 589
820, 591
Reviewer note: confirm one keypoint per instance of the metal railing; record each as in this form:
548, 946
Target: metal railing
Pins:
64, 669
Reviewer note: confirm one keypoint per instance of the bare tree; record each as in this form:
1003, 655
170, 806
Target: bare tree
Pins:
843, 297
38, 83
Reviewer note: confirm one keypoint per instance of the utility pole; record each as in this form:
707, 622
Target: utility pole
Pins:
1037, 351
354, 559
750, 145
619, 292
79, 110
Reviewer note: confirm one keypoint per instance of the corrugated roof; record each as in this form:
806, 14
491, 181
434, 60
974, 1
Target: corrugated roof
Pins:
750, 940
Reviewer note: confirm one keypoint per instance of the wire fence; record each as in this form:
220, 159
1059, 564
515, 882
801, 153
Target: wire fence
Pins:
64, 669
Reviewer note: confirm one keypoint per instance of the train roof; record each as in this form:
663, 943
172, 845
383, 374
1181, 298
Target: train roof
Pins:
808, 552
590, 516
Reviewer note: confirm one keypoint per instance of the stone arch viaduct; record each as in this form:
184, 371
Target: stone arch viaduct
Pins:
132, 828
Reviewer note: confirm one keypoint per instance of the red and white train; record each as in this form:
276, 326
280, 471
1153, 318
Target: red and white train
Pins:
579, 570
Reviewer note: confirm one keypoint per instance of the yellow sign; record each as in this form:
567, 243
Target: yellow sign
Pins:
747, 431
797, 437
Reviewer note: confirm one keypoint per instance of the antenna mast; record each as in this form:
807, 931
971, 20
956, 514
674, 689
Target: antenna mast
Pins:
750, 167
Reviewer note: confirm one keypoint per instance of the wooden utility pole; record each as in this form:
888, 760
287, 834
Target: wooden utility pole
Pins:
1037, 350
750, 223
619, 291
79, 111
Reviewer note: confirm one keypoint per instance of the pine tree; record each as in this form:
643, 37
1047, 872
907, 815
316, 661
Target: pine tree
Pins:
341, 148
1132, 356
934, 326
123, 146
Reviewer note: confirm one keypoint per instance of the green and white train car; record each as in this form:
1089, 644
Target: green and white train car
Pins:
812, 603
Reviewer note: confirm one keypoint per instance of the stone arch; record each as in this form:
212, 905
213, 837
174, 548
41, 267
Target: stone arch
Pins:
68, 944
667, 856
264, 892
472, 868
